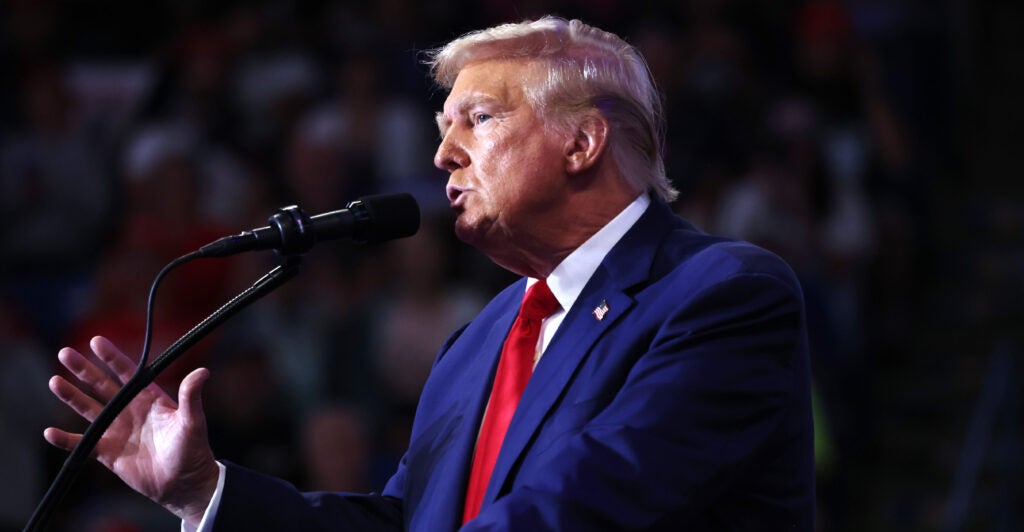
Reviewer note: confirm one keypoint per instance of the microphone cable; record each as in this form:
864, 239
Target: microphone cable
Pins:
90, 437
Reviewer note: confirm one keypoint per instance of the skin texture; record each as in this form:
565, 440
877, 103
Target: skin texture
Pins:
157, 446
526, 192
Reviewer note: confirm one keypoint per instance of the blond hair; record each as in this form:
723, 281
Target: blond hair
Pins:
587, 68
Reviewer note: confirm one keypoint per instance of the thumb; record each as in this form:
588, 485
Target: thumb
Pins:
190, 396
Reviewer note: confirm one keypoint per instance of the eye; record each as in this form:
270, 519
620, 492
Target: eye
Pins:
481, 118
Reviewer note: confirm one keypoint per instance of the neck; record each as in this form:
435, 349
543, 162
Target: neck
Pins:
564, 228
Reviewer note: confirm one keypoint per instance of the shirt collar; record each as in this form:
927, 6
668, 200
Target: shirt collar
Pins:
567, 280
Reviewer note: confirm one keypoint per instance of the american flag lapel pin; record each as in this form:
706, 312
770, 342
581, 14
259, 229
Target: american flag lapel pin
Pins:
601, 310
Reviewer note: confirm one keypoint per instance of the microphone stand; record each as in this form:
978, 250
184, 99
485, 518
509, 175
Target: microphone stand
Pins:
80, 454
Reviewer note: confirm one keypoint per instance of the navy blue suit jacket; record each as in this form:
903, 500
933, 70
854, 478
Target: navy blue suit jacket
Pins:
687, 407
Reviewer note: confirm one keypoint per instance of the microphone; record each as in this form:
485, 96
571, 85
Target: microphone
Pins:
369, 219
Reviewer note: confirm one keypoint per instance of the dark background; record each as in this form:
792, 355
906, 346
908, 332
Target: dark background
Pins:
871, 143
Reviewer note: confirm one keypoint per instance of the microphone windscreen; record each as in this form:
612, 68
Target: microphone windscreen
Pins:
390, 216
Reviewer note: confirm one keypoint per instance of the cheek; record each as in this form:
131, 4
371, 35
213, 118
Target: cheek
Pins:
495, 163
512, 167
491, 155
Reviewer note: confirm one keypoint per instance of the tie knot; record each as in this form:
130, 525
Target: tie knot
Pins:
539, 302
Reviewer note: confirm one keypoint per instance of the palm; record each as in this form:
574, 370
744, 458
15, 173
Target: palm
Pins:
142, 446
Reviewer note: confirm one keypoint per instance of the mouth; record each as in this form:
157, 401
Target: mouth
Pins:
456, 196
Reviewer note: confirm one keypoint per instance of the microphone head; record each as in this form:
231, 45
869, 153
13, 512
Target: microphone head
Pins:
388, 216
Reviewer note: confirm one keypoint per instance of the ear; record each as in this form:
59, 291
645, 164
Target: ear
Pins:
588, 144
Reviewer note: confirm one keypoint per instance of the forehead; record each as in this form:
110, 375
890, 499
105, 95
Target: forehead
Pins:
498, 80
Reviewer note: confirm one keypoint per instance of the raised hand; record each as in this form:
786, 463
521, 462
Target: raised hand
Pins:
156, 446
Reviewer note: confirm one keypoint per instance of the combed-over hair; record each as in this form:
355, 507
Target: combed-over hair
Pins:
588, 68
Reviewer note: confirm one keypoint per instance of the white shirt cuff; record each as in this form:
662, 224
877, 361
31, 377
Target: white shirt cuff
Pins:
206, 525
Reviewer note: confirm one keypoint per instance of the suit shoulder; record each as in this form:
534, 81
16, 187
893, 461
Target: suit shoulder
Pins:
692, 254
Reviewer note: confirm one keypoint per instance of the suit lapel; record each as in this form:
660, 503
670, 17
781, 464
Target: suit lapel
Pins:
448, 499
484, 365
626, 265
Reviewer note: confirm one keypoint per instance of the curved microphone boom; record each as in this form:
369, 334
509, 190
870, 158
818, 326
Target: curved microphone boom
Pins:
291, 231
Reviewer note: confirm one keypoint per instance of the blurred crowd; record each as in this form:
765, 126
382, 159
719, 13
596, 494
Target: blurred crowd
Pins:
133, 133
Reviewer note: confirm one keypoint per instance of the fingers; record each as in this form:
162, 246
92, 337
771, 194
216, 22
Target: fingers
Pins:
121, 365
79, 401
190, 397
96, 379
61, 439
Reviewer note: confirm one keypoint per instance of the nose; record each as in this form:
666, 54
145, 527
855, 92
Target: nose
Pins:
450, 154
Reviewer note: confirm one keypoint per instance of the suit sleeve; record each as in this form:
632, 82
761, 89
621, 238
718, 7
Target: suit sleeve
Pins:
253, 501
713, 399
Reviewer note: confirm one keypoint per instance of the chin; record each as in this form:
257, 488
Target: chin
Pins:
467, 232
476, 233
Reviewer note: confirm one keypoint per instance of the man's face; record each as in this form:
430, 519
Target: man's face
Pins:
506, 168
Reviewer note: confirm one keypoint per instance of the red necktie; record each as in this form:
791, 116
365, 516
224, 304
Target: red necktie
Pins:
514, 370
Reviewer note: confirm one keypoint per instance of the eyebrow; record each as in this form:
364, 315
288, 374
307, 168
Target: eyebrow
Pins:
442, 122
462, 107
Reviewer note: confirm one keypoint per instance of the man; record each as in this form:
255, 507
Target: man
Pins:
670, 381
